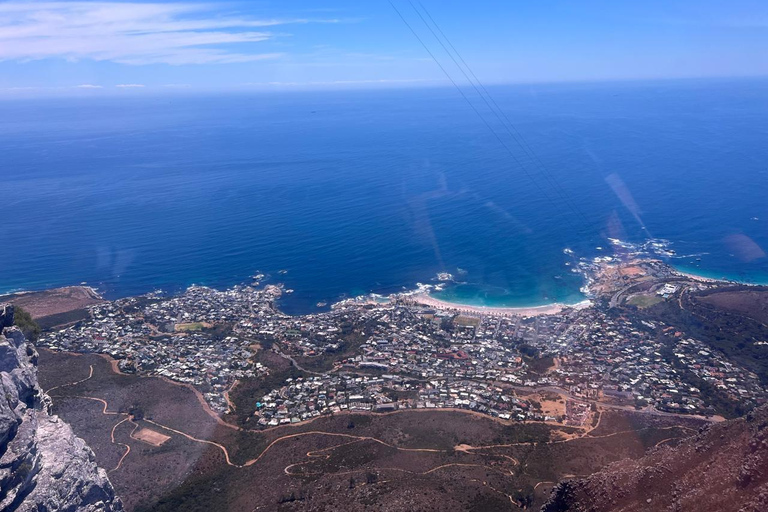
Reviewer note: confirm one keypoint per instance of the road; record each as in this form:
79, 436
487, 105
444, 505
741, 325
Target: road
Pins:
294, 362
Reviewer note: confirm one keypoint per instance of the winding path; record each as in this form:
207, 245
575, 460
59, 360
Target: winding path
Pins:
127, 447
105, 412
312, 456
72, 383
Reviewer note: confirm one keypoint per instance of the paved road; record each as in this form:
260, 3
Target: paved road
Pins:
295, 363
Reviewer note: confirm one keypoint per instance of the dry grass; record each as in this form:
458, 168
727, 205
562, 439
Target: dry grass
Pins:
151, 437
408, 460
193, 326
55, 301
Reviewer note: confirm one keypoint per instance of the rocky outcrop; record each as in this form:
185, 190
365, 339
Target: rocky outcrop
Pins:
724, 467
6, 316
44, 467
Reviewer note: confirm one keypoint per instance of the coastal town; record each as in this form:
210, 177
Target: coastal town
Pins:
192, 338
403, 352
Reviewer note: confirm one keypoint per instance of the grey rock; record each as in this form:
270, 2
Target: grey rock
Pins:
6, 315
44, 467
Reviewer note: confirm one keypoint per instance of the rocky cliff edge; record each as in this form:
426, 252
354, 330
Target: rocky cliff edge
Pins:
44, 467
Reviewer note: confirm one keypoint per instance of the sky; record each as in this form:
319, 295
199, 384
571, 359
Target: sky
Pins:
136, 46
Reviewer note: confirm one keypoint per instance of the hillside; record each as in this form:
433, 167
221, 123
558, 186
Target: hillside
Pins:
722, 468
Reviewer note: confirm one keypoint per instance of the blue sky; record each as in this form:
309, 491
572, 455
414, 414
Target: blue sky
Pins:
102, 46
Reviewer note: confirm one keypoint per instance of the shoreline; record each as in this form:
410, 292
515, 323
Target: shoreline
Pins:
92, 290
704, 279
546, 309
422, 296
708, 279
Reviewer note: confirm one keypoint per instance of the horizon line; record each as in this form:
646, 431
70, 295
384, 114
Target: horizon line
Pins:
134, 89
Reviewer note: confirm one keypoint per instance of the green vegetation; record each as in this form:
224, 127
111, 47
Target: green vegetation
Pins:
218, 331
539, 365
644, 301
140, 303
484, 502
250, 391
712, 396
68, 317
731, 333
524, 433
410, 394
525, 496
24, 321
528, 350
351, 340
192, 326
203, 493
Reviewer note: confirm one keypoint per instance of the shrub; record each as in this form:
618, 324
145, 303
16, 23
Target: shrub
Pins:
24, 321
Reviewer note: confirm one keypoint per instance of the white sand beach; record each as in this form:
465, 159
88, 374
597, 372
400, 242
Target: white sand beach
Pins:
547, 309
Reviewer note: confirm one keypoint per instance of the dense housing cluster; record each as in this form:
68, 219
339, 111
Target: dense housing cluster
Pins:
382, 355
648, 364
192, 338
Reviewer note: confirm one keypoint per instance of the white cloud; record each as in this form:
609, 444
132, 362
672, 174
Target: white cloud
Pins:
88, 86
129, 86
132, 32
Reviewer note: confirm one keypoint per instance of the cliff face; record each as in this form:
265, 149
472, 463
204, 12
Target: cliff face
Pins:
722, 468
43, 465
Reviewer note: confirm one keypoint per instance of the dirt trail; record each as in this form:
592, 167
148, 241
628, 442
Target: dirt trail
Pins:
127, 447
72, 383
198, 394
314, 454
468, 449
464, 447
105, 412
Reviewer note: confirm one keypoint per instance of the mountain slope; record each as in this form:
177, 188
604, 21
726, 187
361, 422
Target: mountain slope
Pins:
43, 465
722, 468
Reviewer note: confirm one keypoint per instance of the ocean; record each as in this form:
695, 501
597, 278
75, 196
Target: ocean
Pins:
340, 193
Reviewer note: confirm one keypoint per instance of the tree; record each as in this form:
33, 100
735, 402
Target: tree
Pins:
525, 496
24, 321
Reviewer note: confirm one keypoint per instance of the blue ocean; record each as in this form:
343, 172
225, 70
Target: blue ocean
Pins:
339, 193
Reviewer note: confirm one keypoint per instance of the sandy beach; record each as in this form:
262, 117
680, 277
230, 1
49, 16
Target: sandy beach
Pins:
703, 279
548, 309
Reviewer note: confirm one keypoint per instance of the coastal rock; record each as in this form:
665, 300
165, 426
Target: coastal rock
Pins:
44, 467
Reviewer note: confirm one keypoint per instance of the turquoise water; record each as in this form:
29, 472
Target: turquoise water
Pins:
359, 191
760, 278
